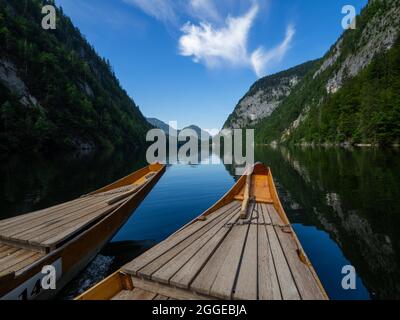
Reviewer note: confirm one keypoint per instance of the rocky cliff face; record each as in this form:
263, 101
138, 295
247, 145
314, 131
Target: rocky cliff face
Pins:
379, 34
265, 96
9, 77
352, 96
55, 91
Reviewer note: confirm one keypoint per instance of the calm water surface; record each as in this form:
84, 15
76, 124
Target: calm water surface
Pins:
344, 206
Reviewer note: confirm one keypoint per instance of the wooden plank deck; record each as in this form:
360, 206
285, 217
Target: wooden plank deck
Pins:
14, 259
139, 294
224, 257
45, 229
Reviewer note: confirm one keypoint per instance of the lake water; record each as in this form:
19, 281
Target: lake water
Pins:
344, 206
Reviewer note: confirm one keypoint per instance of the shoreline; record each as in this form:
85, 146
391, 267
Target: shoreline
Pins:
331, 145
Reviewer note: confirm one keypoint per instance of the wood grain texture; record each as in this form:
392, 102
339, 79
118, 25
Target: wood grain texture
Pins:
221, 256
185, 276
267, 277
246, 286
169, 269
152, 254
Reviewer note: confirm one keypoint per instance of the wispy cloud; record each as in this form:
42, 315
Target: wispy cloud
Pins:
213, 40
170, 11
204, 9
261, 58
163, 10
213, 46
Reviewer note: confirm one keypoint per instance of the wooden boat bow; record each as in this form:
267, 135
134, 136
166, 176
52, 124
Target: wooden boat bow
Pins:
220, 255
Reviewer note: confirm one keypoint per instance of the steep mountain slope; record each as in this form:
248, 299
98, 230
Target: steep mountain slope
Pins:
354, 96
165, 127
200, 133
159, 124
55, 91
265, 96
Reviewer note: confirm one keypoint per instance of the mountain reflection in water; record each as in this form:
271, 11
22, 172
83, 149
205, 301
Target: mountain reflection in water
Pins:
343, 203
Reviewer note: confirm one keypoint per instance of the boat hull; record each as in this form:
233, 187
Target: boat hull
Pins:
242, 248
72, 257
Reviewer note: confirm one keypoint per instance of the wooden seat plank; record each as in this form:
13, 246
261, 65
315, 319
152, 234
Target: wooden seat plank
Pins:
22, 264
163, 259
306, 283
27, 221
14, 221
226, 255
166, 290
8, 251
15, 258
184, 277
46, 226
286, 282
265, 214
246, 287
168, 270
225, 279
218, 275
134, 266
63, 219
53, 236
285, 278
36, 223
4, 247
274, 215
135, 294
59, 234
268, 286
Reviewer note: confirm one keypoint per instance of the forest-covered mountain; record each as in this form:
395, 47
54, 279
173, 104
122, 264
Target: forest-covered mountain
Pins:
55, 91
265, 96
200, 133
351, 95
159, 124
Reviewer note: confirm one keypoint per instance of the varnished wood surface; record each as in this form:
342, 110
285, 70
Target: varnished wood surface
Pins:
223, 255
39, 238
14, 258
253, 260
49, 227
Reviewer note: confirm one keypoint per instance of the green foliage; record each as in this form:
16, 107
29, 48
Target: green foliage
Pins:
79, 98
274, 81
365, 110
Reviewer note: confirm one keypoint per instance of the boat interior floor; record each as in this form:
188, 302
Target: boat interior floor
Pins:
47, 229
225, 257
14, 259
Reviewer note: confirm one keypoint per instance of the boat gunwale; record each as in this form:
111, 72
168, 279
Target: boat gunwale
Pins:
281, 211
25, 273
258, 169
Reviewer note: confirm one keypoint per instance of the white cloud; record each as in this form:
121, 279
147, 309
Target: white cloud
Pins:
204, 9
169, 11
214, 41
163, 10
213, 46
260, 59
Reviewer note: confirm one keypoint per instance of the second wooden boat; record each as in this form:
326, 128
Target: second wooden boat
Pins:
66, 237
241, 248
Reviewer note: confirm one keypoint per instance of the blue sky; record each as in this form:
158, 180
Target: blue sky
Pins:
190, 61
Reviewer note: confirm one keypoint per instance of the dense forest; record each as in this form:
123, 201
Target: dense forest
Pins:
272, 89
366, 106
365, 110
55, 91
